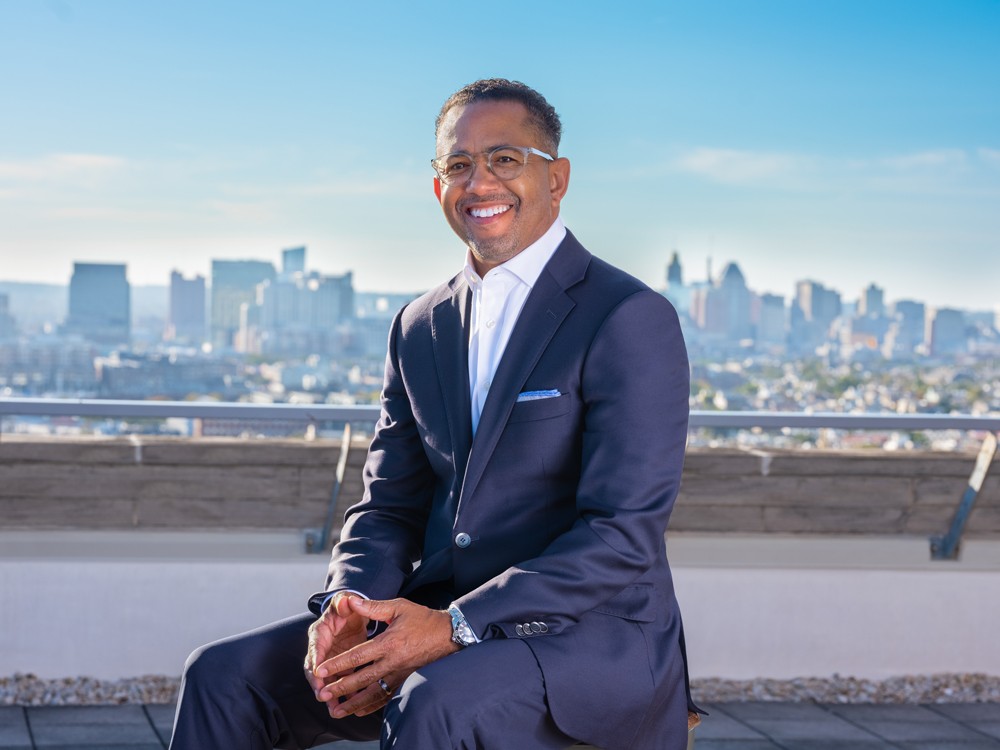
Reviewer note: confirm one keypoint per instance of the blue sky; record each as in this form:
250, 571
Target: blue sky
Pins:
846, 142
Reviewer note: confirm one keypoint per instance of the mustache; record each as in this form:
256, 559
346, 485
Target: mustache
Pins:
488, 198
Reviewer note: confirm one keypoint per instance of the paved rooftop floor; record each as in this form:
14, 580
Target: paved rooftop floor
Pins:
730, 726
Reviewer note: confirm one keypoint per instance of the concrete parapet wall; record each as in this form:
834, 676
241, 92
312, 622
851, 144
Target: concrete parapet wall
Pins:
831, 492
162, 483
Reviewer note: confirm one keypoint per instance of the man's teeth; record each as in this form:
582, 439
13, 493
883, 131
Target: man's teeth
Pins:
485, 213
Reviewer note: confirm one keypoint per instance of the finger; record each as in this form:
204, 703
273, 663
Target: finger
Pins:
351, 660
351, 683
364, 702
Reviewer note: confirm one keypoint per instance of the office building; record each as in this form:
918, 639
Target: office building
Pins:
722, 310
186, 312
293, 261
234, 284
813, 311
946, 334
772, 326
303, 314
8, 325
871, 303
100, 303
675, 275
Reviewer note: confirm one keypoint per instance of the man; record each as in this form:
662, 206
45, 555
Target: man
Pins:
528, 454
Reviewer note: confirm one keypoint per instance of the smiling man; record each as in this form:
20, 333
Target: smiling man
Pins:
528, 455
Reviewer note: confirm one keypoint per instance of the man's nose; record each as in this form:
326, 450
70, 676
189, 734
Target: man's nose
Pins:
482, 175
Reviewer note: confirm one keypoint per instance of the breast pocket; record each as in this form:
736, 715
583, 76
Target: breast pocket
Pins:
542, 408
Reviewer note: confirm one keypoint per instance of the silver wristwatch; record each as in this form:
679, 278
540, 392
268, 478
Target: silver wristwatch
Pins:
461, 631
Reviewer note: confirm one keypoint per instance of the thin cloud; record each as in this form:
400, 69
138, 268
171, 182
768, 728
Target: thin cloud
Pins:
59, 167
946, 170
938, 159
990, 155
736, 167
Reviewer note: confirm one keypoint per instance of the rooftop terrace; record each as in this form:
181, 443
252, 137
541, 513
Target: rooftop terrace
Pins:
788, 564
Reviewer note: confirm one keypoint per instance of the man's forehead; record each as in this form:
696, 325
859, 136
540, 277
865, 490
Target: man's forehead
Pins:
501, 122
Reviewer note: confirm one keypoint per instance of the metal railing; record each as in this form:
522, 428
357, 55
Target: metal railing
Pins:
315, 413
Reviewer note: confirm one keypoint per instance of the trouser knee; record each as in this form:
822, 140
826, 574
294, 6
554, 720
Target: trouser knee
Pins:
419, 709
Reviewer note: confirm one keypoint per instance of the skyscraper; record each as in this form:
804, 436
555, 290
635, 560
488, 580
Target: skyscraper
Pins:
772, 328
293, 261
674, 275
723, 309
301, 314
8, 325
186, 314
871, 303
234, 283
813, 311
100, 303
946, 333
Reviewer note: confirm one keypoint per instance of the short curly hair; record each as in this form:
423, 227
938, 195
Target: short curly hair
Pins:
542, 114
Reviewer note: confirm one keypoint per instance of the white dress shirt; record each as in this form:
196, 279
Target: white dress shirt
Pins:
497, 300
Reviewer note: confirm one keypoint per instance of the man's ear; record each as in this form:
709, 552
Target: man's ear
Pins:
437, 188
558, 180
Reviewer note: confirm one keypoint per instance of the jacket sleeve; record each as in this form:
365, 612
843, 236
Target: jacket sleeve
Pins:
383, 534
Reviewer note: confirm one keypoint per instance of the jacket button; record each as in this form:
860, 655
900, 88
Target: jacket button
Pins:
463, 540
543, 627
536, 628
519, 629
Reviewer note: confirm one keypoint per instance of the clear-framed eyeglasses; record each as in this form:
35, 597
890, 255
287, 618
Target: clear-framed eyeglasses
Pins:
506, 162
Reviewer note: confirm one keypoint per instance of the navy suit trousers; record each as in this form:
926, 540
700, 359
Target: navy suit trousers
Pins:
249, 691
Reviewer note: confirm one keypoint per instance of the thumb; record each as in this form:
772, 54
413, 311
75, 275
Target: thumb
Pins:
383, 611
341, 604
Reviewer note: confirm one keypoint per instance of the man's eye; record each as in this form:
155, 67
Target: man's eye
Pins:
454, 167
507, 157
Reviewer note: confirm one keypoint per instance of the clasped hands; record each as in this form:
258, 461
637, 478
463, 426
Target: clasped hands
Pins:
344, 668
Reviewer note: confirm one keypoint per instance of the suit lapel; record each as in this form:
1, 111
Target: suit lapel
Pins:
449, 327
547, 306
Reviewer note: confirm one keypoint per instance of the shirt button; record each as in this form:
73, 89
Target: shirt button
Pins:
463, 540
490, 323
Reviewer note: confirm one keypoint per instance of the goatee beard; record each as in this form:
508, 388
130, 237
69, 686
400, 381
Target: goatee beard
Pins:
495, 250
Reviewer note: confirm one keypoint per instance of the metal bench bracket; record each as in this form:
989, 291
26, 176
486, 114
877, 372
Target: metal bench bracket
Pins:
947, 547
318, 541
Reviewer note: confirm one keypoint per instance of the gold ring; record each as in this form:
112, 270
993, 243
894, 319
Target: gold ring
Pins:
385, 688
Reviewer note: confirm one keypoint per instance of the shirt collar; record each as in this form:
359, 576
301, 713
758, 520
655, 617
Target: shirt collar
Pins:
527, 265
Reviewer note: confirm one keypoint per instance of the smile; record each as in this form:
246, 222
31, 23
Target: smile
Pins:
486, 213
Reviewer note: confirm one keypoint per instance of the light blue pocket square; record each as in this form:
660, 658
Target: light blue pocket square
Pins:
536, 395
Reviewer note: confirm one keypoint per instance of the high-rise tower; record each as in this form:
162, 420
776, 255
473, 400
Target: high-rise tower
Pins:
100, 303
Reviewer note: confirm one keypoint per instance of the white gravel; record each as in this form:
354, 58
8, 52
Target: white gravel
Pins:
28, 690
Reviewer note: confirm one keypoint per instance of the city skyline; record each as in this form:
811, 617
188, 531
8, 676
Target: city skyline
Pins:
690, 279
846, 143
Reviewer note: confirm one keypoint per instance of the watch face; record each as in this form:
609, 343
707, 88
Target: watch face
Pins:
463, 636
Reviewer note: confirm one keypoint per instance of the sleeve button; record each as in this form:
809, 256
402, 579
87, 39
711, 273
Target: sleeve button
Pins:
462, 540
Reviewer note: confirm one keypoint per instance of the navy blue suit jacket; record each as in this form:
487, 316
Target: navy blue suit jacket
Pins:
565, 500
